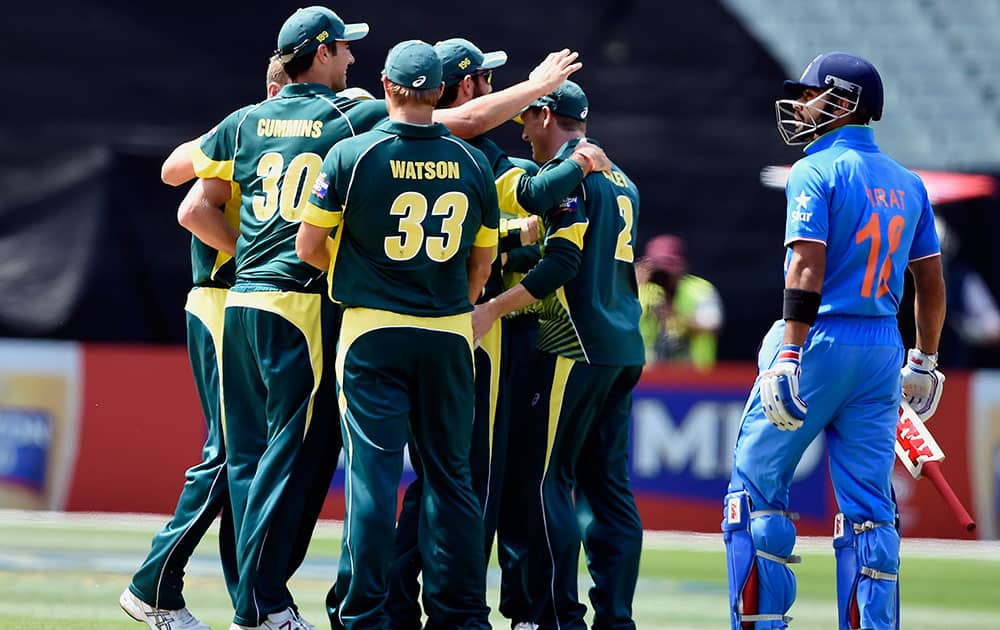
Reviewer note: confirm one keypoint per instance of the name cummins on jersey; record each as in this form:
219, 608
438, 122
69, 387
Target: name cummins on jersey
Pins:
272, 153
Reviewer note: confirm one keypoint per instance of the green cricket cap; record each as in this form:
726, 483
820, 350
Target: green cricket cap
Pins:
307, 28
460, 57
568, 100
413, 64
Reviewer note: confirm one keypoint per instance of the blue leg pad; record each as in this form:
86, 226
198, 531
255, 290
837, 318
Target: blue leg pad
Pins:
867, 574
758, 548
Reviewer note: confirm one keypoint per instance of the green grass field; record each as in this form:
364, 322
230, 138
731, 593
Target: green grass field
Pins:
66, 572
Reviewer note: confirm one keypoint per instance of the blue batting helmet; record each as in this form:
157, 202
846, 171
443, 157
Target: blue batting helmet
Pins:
846, 72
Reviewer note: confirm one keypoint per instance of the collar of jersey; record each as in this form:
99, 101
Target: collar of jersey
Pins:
306, 89
855, 136
410, 130
567, 149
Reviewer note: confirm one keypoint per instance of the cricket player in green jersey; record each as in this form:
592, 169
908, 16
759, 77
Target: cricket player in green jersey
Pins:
155, 594
590, 356
467, 74
416, 217
279, 395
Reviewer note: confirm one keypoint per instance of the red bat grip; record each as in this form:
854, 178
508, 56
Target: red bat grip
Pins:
932, 470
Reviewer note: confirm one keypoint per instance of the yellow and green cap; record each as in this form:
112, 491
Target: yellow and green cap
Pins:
413, 64
568, 100
460, 57
307, 28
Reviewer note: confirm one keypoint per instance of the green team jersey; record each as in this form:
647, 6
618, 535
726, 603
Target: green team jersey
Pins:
409, 202
272, 153
593, 314
209, 266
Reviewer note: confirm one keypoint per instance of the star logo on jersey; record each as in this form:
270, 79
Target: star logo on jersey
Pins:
321, 186
802, 200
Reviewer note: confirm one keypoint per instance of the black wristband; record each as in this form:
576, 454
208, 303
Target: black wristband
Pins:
800, 305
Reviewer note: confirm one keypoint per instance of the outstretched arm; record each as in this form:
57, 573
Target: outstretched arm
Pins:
479, 115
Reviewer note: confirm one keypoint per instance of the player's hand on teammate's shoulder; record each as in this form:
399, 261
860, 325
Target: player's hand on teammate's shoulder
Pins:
594, 156
923, 384
554, 69
779, 390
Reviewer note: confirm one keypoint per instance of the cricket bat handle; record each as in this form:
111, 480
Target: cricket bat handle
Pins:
932, 470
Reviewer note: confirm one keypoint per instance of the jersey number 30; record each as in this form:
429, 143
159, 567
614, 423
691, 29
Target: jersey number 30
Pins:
411, 208
291, 196
873, 231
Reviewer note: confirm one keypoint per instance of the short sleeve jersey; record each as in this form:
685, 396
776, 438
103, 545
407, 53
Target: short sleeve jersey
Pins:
272, 153
409, 202
873, 215
595, 316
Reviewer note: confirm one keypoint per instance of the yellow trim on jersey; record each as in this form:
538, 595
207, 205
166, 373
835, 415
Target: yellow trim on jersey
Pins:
491, 344
208, 305
207, 168
358, 321
507, 193
332, 250
572, 233
560, 378
232, 213
321, 217
302, 310
487, 237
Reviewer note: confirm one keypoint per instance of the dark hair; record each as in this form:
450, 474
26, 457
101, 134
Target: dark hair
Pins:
570, 124
449, 96
301, 64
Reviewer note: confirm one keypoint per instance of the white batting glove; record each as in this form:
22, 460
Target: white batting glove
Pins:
923, 384
779, 390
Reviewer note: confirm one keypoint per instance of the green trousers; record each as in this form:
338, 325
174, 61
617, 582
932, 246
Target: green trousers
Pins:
586, 410
159, 581
519, 599
487, 461
282, 427
409, 380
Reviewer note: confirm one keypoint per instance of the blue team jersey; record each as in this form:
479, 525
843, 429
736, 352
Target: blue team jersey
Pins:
872, 214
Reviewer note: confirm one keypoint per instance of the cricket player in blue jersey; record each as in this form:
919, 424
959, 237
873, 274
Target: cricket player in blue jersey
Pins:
856, 220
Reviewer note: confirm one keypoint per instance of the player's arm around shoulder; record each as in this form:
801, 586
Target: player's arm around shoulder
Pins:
541, 192
200, 213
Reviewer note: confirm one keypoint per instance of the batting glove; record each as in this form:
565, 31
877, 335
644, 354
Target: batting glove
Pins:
779, 390
923, 384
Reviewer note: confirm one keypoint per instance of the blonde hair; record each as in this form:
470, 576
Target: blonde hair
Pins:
402, 95
276, 72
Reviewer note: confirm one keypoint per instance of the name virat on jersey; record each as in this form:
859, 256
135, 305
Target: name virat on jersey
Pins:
441, 169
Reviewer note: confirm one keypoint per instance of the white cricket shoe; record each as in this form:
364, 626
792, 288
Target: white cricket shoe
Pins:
526, 625
158, 618
287, 619
306, 625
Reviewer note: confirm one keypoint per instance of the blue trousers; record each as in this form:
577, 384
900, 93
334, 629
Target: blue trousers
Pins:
850, 380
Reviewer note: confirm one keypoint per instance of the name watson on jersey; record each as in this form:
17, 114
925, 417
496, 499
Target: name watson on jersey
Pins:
406, 169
